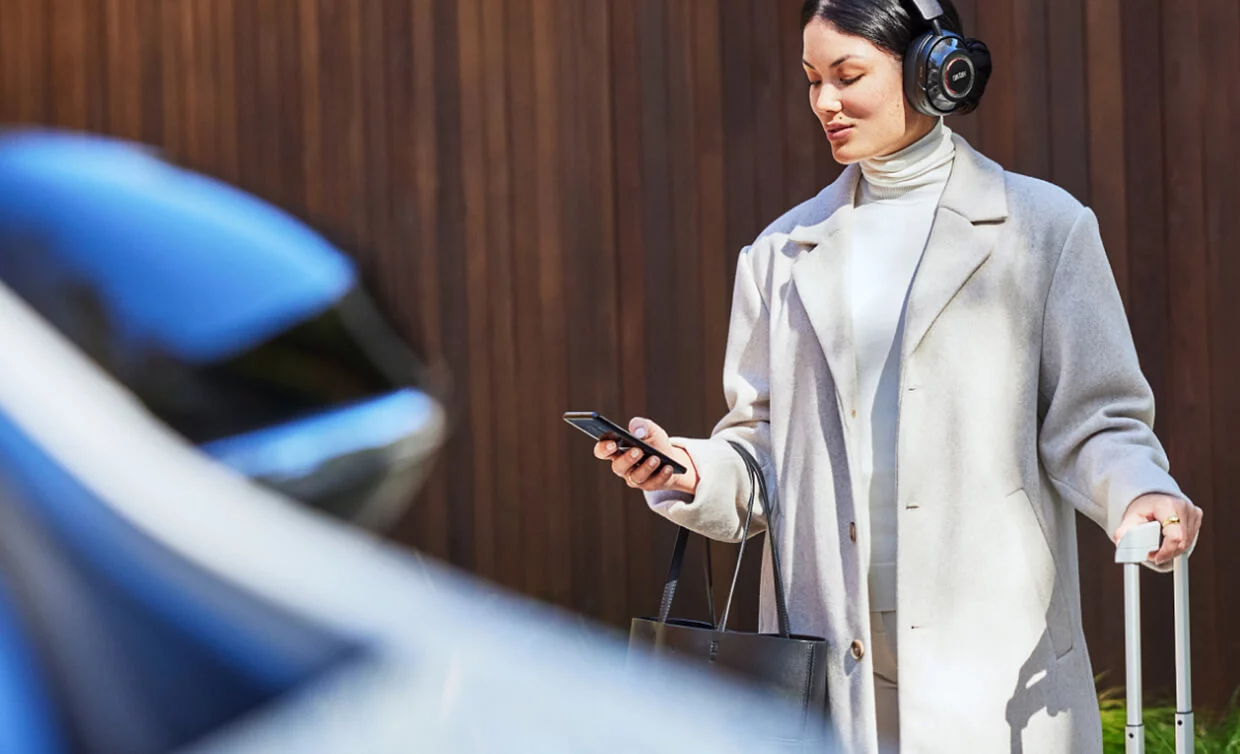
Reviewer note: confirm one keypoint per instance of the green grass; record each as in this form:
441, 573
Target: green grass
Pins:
1215, 734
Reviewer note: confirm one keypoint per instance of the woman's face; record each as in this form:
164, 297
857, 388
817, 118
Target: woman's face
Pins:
857, 91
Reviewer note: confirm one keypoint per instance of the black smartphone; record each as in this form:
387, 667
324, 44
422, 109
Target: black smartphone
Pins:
603, 429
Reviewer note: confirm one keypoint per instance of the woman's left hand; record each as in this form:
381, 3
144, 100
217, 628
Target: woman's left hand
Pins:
1178, 536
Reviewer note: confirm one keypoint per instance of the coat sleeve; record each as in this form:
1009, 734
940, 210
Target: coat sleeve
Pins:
718, 509
1096, 440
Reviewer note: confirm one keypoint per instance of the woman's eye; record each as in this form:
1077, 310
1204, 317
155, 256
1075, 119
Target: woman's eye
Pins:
851, 81
813, 84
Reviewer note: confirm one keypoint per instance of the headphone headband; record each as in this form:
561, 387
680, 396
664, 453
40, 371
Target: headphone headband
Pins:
930, 9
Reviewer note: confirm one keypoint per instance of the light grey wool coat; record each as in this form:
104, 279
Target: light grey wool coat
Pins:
1021, 402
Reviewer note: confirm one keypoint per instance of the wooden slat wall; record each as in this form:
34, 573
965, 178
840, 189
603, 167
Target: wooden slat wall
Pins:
550, 195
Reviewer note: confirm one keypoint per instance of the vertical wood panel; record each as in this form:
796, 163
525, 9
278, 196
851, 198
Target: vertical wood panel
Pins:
375, 236
585, 350
550, 288
10, 73
770, 68
660, 268
247, 93
1031, 111
193, 85
399, 201
716, 258
686, 270
342, 102
124, 69
171, 64
502, 262
999, 127
739, 123
1148, 309
1107, 186
452, 273
1220, 123
1065, 51
78, 79
531, 408
149, 17
1107, 197
684, 304
289, 147
1144, 105
1186, 411
310, 77
406, 262
628, 267
427, 527
596, 277
228, 165
31, 60
202, 95
474, 87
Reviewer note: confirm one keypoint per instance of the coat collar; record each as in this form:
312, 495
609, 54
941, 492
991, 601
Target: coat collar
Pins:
961, 240
975, 190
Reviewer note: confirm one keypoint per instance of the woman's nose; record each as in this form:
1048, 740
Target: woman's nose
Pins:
828, 100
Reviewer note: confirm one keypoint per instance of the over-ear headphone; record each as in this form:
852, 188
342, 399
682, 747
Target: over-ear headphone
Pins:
938, 71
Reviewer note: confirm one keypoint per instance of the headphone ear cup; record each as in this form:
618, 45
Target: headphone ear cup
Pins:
939, 74
917, 73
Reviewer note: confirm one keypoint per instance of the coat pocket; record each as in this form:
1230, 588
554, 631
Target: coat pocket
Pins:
1043, 569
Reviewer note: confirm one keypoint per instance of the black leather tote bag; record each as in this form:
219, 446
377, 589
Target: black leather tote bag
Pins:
783, 666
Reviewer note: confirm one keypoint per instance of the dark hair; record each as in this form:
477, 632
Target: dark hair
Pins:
893, 25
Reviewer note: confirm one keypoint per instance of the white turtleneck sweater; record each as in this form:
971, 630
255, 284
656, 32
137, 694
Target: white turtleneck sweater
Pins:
895, 209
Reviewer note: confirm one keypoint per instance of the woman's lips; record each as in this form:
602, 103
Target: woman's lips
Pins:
838, 133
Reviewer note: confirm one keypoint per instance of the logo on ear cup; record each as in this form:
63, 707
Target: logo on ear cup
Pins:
958, 78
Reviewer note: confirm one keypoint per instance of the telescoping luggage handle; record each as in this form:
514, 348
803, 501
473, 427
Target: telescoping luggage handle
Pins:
1133, 550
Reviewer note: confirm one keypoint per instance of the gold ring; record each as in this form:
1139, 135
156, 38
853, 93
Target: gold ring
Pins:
1171, 520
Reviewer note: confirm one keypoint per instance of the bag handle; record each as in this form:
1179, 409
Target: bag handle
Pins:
757, 482
673, 577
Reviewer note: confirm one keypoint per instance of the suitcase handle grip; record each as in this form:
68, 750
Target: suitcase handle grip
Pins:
1138, 543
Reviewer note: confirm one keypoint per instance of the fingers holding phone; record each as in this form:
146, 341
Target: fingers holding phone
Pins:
634, 466
642, 455
636, 472
649, 472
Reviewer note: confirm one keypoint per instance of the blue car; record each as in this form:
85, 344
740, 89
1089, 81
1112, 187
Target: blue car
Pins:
203, 419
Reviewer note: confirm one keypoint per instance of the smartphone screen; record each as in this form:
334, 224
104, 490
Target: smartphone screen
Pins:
603, 429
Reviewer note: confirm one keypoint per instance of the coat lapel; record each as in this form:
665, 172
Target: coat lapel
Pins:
961, 240
821, 279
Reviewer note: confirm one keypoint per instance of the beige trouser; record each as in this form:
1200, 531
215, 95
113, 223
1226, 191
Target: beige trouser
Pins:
886, 701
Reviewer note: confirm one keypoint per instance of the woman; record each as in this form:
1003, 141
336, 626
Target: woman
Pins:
931, 361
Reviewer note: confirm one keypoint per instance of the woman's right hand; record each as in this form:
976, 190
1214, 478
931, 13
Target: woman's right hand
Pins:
647, 476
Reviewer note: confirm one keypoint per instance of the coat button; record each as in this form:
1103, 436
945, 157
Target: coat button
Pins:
858, 650
852, 531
